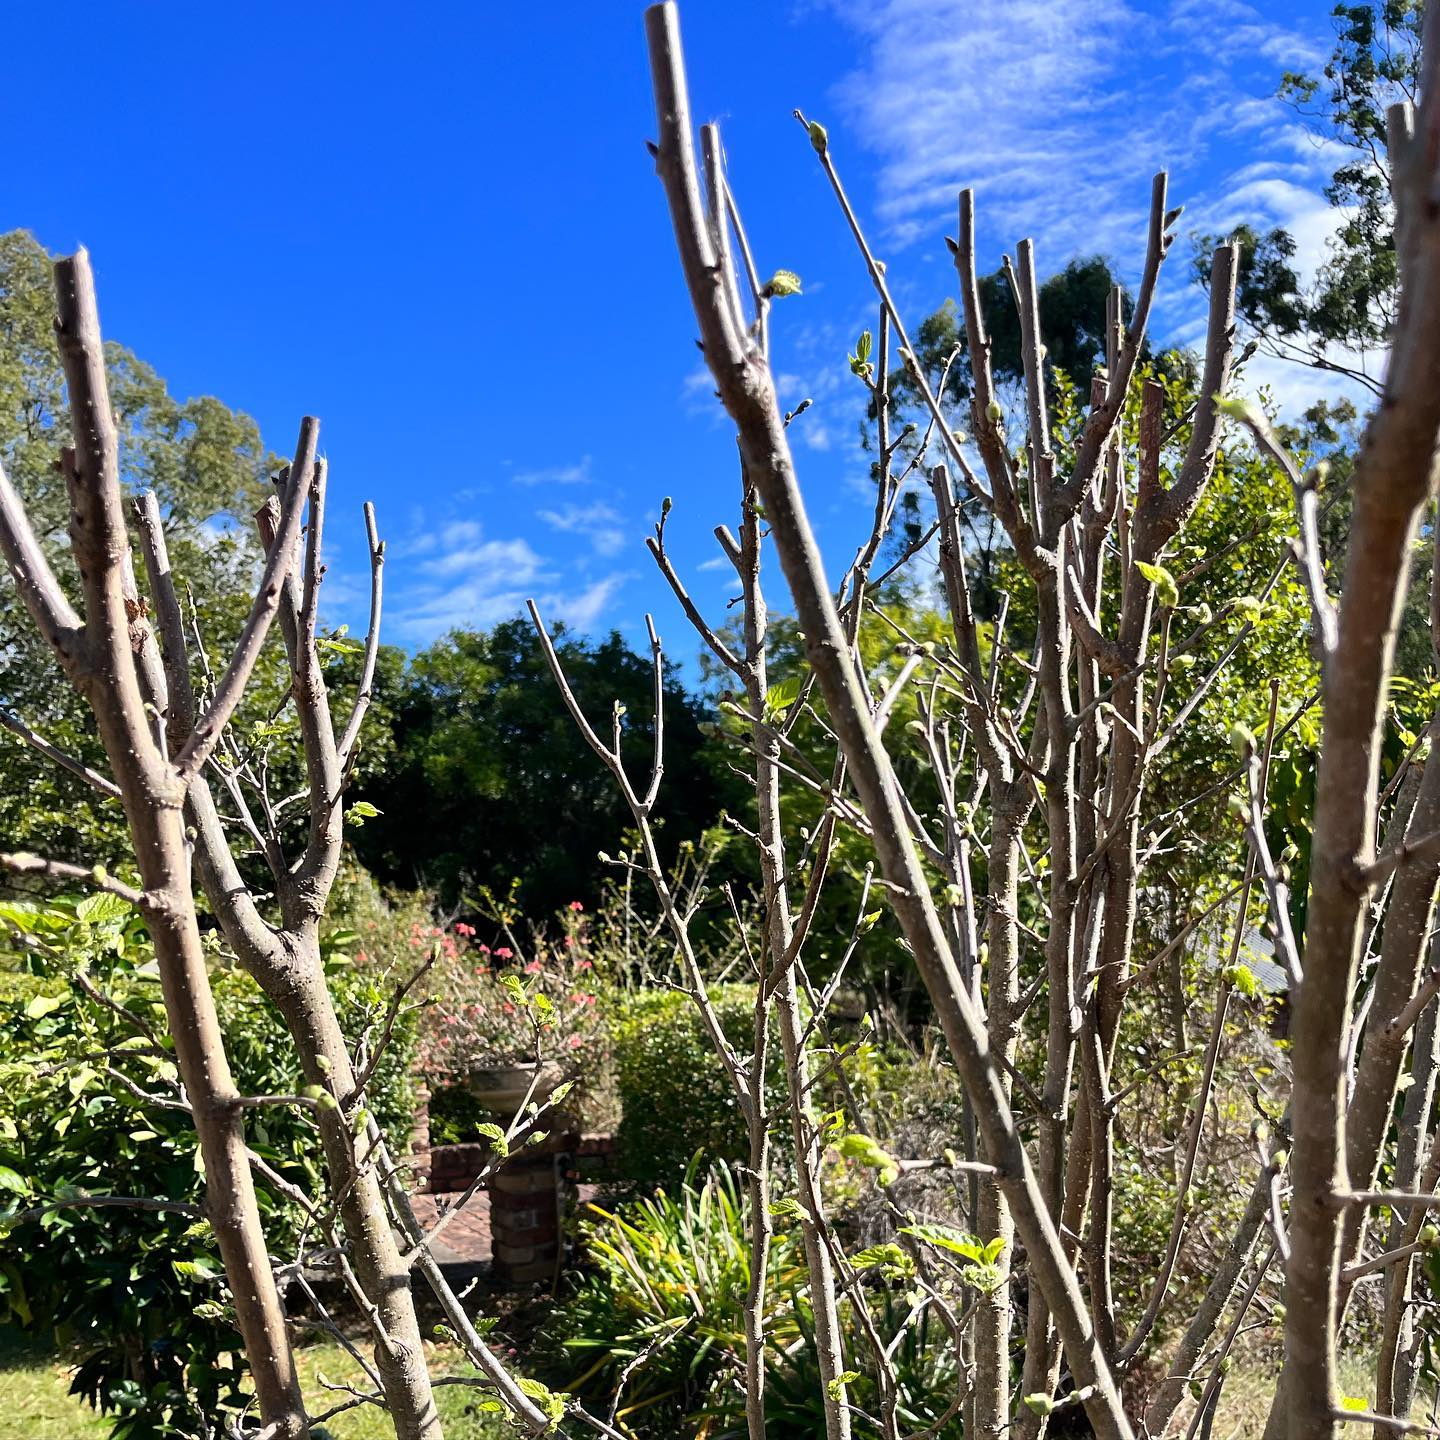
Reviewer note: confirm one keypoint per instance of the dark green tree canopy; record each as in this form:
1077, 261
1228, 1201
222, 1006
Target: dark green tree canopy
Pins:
1072, 326
487, 783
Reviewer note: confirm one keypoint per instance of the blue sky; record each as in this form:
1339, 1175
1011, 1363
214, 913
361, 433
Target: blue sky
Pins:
436, 227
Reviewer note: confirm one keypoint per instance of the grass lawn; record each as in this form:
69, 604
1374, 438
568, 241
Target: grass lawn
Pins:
33, 1400
35, 1405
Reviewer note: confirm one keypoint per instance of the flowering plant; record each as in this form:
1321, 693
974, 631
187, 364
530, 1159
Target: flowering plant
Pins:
503, 1005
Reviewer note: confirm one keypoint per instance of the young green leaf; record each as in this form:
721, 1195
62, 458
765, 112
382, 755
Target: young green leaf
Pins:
1166, 590
496, 1136
1241, 978
871, 1154
780, 697
947, 1238
781, 284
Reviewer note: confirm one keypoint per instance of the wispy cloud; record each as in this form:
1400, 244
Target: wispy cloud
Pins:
1006, 95
1055, 111
697, 394
598, 523
459, 577
582, 609
575, 473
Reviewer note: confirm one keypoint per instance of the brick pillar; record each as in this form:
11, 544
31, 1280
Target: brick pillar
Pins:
525, 1198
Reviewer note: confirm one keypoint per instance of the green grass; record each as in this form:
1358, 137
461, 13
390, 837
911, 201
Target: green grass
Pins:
456, 1402
35, 1403
1250, 1387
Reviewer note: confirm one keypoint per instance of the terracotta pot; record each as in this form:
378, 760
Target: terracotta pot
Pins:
502, 1089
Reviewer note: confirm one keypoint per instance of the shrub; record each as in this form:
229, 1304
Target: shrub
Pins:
500, 1006
83, 1086
676, 1101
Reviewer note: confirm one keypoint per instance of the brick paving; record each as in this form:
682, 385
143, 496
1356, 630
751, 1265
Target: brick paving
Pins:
466, 1239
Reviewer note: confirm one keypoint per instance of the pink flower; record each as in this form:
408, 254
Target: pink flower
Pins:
507, 1007
461, 928
581, 998
575, 1042
359, 957
503, 952
534, 968
483, 949
576, 906
569, 941
584, 965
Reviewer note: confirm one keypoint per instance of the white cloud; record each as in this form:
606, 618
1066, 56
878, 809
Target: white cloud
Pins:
455, 576
481, 601
577, 473
582, 609
466, 556
1057, 113
1010, 96
599, 523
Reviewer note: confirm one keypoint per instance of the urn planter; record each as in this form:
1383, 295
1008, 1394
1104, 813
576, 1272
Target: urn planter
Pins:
502, 1089
527, 1191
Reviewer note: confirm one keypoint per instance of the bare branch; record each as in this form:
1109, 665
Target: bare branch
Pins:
365, 690
266, 606
17, 727
96, 875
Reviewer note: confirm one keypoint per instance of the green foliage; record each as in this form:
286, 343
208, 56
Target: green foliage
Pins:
79, 1082
671, 1271
676, 1101
489, 782
456, 1115
1218, 575
867, 1151
669, 1277
1072, 330
906, 611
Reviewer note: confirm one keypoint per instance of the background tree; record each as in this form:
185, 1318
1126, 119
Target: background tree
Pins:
1341, 320
209, 469
1073, 301
485, 784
